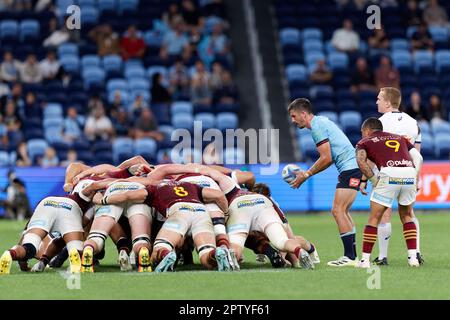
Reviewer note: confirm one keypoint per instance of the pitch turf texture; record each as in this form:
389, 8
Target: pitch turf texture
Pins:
256, 281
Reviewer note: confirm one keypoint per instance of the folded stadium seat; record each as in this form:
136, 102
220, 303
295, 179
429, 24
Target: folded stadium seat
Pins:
32, 123
338, 60
181, 107
153, 41
233, 156
89, 15
81, 144
440, 36
227, 107
53, 110
299, 93
207, 119
347, 105
439, 126
427, 146
409, 80
127, 5
4, 159
53, 122
104, 5
227, 120
33, 133
53, 134
61, 148
425, 127
308, 148
401, 58
442, 58
67, 49
311, 58
112, 64
101, 146
333, 116
296, 72
93, 77
122, 147
292, 58
90, 60
146, 147
312, 33
351, 122
183, 121
319, 92
324, 105
117, 84
329, 47
399, 44
442, 146
289, 36
70, 63
134, 72
139, 84
36, 148
9, 29
167, 131
423, 61
312, 45
29, 30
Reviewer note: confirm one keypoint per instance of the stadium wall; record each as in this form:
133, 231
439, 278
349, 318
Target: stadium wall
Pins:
316, 194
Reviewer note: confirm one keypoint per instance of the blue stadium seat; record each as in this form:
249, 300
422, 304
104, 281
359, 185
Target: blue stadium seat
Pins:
53, 122
29, 30
36, 148
181, 107
145, 147
313, 45
9, 29
227, 120
89, 15
167, 141
439, 126
109, 5
442, 58
308, 147
425, 127
90, 60
67, 49
333, 116
93, 76
296, 72
427, 146
399, 44
139, 84
70, 63
423, 59
53, 110
312, 33
183, 121
117, 84
289, 36
87, 3
401, 58
207, 120
4, 159
234, 156
350, 122
338, 60
130, 5
152, 39
112, 63
442, 146
122, 147
439, 34
145, 94
53, 134
311, 58
134, 72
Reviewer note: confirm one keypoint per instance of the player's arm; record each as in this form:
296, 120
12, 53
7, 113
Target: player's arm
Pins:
417, 159
135, 196
132, 161
361, 159
226, 183
97, 170
245, 177
72, 170
211, 195
91, 189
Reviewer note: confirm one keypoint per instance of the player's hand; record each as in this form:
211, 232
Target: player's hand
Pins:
97, 198
362, 188
68, 187
298, 181
142, 169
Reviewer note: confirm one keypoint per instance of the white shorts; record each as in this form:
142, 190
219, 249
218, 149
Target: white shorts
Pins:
395, 183
57, 214
128, 209
251, 212
188, 218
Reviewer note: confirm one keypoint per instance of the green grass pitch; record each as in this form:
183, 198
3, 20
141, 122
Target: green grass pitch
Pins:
256, 281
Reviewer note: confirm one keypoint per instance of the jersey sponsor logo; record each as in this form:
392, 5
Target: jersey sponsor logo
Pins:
172, 225
354, 182
201, 183
402, 181
102, 210
250, 203
397, 163
239, 226
383, 199
58, 205
186, 207
123, 187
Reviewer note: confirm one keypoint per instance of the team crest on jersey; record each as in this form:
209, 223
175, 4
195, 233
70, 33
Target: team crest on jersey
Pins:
250, 203
56, 204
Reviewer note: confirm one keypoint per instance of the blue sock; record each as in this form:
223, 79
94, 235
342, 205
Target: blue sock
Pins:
348, 240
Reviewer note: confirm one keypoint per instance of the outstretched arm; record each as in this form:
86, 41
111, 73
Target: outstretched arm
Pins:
212, 195
135, 196
97, 170
132, 161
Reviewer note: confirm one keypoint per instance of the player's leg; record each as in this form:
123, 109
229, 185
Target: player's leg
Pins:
416, 222
260, 244
55, 246
406, 201
24, 251
120, 234
74, 242
140, 233
163, 256
384, 234
343, 200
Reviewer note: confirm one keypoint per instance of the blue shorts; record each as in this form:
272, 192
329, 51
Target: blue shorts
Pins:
349, 179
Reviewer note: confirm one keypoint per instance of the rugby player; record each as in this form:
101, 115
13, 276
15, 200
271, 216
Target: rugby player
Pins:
399, 164
395, 121
333, 147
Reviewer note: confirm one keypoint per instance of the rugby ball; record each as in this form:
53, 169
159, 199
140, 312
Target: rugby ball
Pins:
288, 172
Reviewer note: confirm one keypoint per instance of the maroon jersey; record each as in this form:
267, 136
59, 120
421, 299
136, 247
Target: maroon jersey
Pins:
185, 175
165, 194
235, 193
387, 149
119, 174
83, 204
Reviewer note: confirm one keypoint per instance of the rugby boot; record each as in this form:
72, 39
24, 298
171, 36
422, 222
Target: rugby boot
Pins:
124, 261
167, 264
381, 262
305, 260
87, 260
144, 260
222, 260
5, 263
343, 262
75, 261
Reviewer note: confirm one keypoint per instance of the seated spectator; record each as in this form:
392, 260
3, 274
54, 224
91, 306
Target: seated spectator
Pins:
346, 39
107, 41
138, 105
201, 93
321, 75
412, 16
386, 75
179, 80
172, 15
379, 42
50, 158
94, 102
116, 104
159, 93
23, 159
216, 76
72, 157
17, 97
98, 125
50, 66
437, 110
57, 36
191, 14
217, 46
435, 15
9, 69
132, 45
32, 108
174, 42
11, 118
421, 39
4, 89
30, 72
72, 125
362, 77
3, 133
146, 126
121, 123
416, 109
228, 92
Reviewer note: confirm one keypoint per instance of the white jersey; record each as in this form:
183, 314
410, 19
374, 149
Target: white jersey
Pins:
202, 181
402, 124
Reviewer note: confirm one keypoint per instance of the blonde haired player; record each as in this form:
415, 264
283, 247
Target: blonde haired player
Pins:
395, 121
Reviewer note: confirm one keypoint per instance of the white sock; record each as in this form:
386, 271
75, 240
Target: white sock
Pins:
365, 256
412, 253
384, 234
416, 222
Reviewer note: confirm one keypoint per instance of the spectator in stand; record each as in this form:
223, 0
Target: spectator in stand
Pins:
201, 93
216, 76
3, 134
58, 36
435, 15
72, 125
107, 41
159, 93
416, 109
379, 42
132, 45
94, 102
4, 90
116, 104
437, 110
146, 126
12, 118
50, 158
191, 14
228, 93
179, 80
50, 66
9, 69
23, 159
72, 157
172, 15
386, 75
346, 39
138, 105
412, 15
32, 108
421, 39
17, 98
217, 46
121, 123
30, 72
98, 125
362, 77
174, 42
321, 74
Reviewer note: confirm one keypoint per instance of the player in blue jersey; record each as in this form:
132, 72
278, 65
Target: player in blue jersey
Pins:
333, 147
